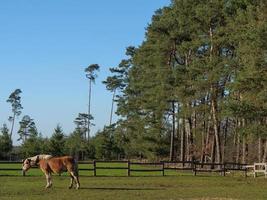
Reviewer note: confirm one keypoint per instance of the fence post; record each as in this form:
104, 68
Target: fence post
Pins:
94, 168
163, 168
195, 169
129, 168
254, 169
224, 169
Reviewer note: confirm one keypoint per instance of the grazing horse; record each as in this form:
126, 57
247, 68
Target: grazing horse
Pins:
59, 165
33, 162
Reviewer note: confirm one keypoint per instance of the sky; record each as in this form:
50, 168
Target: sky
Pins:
46, 45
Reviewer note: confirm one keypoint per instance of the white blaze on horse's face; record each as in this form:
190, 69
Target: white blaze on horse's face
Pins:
26, 165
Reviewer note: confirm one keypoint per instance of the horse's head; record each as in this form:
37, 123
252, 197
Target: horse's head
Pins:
26, 165
30, 162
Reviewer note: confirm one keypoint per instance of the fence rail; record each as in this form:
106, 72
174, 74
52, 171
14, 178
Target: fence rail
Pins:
161, 167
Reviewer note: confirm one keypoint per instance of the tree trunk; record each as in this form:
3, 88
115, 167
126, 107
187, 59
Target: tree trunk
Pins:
178, 129
259, 149
12, 126
237, 149
265, 152
244, 151
214, 105
213, 149
89, 110
203, 142
112, 106
233, 149
225, 130
182, 150
172, 133
208, 144
216, 123
189, 136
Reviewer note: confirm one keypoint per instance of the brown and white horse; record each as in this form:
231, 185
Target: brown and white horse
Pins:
57, 165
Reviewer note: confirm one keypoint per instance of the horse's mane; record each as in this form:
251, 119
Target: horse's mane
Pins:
34, 160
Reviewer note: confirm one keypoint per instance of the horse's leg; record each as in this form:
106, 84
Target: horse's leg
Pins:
71, 181
77, 176
78, 182
76, 179
45, 169
48, 180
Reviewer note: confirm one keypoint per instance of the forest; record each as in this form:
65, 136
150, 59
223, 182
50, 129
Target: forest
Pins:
195, 89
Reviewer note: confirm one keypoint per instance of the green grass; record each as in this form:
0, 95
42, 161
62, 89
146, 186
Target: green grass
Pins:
145, 185
169, 187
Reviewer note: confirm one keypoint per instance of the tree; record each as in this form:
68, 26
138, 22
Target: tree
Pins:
5, 142
27, 128
82, 122
57, 142
247, 102
34, 145
15, 101
196, 77
112, 84
32, 142
105, 144
91, 75
76, 144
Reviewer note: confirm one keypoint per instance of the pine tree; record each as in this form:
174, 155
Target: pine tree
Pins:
57, 142
91, 75
5, 142
15, 101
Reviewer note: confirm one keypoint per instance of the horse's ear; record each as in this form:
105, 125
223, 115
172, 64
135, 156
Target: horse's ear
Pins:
28, 159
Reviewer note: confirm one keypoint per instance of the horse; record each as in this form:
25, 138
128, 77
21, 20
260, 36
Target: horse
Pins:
58, 165
33, 162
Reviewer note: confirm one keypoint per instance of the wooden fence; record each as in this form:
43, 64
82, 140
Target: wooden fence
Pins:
162, 167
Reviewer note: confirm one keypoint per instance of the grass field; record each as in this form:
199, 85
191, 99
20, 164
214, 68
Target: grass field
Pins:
146, 186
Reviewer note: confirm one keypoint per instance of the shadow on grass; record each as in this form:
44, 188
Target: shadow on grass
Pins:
118, 188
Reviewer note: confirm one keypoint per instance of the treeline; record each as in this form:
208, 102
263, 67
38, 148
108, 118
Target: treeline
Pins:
195, 89
58, 144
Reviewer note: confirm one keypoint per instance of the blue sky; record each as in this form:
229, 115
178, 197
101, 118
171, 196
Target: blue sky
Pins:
45, 46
